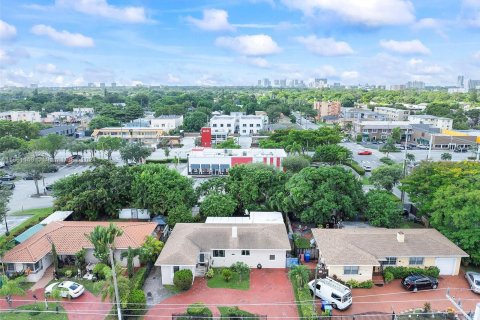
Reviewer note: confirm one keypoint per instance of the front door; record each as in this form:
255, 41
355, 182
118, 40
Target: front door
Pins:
201, 258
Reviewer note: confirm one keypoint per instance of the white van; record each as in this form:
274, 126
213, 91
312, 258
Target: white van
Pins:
335, 293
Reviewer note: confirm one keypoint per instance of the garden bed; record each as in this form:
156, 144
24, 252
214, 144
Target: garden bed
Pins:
234, 283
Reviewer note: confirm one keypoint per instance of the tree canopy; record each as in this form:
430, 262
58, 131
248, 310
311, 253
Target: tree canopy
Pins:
332, 154
383, 209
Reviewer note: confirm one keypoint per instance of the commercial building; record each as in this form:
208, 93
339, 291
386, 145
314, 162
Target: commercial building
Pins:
425, 134
438, 122
381, 130
28, 116
68, 130
393, 114
206, 161
236, 123
350, 115
131, 134
327, 108
167, 122
419, 85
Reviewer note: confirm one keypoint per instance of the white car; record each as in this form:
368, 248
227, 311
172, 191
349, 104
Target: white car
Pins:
336, 294
66, 288
367, 168
473, 279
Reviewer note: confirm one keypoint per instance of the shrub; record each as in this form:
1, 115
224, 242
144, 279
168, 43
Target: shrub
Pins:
199, 309
402, 272
236, 313
304, 298
355, 166
388, 276
183, 279
302, 243
363, 285
137, 302
98, 270
387, 161
67, 271
139, 278
210, 273
227, 274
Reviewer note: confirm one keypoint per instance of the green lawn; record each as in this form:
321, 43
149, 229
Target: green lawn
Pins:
89, 285
30, 312
31, 212
366, 181
218, 282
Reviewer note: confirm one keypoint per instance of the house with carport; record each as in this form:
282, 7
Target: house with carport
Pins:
199, 246
362, 253
34, 255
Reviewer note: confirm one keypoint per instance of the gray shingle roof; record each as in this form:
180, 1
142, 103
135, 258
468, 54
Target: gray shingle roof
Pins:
366, 246
189, 239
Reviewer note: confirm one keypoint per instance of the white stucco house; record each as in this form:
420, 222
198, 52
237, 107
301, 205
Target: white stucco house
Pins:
198, 246
34, 255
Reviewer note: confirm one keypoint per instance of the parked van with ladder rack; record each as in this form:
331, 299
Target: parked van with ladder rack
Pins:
335, 293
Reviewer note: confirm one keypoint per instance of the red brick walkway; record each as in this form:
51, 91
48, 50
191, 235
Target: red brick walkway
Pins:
268, 288
394, 296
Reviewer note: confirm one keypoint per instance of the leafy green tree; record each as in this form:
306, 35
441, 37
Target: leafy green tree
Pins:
134, 152
150, 249
12, 143
4, 198
9, 156
294, 148
180, 214
11, 287
109, 145
133, 111
300, 274
51, 144
130, 254
33, 168
388, 147
227, 144
99, 122
80, 262
161, 189
194, 121
103, 239
332, 154
92, 147
19, 129
396, 134
295, 164
241, 268
107, 289
218, 205
383, 209
386, 177
446, 156
410, 157
316, 194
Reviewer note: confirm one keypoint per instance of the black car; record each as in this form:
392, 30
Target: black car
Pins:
7, 185
417, 282
51, 169
460, 150
28, 177
8, 177
76, 156
49, 187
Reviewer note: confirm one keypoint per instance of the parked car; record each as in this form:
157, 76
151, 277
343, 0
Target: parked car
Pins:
461, 150
417, 282
8, 177
76, 156
28, 177
66, 288
51, 169
49, 187
7, 185
473, 279
422, 146
367, 168
335, 293
365, 153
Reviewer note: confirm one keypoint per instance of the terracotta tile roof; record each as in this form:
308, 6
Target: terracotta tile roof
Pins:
366, 246
69, 238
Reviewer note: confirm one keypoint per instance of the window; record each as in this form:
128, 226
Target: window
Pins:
391, 261
176, 268
272, 257
244, 131
214, 125
229, 125
350, 270
258, 125
245, 252
385, 130
221, 125
336, 297
244, 125
415, 261
218, 253
33, 267
374, 130
251, 125
10, 266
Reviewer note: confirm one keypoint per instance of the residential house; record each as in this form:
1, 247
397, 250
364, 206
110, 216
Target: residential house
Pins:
28, 116
34, 255
198, 246
362, 253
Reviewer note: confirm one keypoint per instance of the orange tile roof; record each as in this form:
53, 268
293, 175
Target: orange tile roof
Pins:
69, 238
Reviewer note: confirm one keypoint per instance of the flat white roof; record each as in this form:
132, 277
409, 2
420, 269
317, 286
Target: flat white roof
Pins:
56, 216
210, 152
383, 123
255, 217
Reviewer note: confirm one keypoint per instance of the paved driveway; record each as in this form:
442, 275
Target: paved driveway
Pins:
393, 297
268, 289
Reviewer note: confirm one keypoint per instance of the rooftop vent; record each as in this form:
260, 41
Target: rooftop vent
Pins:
234, 232
400, 236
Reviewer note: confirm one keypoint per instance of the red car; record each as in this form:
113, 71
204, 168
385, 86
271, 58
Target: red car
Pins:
365, 153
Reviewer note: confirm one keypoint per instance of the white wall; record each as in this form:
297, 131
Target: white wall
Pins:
167, 273
34, 277
256, 257
89, 258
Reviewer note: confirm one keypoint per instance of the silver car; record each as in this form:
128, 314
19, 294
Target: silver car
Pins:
473, 279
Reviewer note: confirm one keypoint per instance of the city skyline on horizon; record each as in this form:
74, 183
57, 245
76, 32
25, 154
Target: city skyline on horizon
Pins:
56, 43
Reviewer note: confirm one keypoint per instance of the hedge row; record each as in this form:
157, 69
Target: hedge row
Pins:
303, 298
402, 272
363, 285
355, 166
139, 278
387, 161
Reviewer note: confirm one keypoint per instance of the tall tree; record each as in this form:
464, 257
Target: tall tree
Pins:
130, 254
383, 209
386, 177
109, 145
34, 169
150, 250
107, 286
388, 147
135, 152
218, 205
4, 198
396, 134
446, 156
12, 143
99, 122
194, 121
295, 164
103, 239
11, 287
332, 154
51, 144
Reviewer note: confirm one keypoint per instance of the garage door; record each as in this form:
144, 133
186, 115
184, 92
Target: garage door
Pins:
446, 265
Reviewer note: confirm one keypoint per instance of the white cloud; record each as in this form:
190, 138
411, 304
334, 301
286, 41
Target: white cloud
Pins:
103, 9
64, 37
349, 75
325, 71
405, 47
253, 45
213, 20
432, 24
367, 12
471, 12
7, 31
50, 68
325, 46
476, 55
256, 61
206, 80
172, 79
13, 56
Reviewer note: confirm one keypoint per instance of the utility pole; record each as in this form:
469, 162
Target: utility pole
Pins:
115, 286
458, 305
314, 287
478, 152
430, 147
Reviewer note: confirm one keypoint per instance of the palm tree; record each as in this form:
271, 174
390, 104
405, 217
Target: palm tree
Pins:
107, 286
294, 148
446, 156
130, 254
103, 240
300, 274
11, 287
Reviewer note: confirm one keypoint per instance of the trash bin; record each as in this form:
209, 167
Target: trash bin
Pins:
306, 257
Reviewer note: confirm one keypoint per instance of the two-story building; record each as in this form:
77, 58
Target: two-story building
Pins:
438, 122
393, 114
28, 116
381, 130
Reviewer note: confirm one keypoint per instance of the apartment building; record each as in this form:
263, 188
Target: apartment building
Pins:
438, 122
327, 108
380, 130
393, 114
28, 116
350, 115
237, 123
167, 122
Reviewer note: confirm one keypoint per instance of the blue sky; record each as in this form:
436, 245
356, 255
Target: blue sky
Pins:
237, 42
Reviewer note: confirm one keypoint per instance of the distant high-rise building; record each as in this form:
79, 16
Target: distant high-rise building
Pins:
91, 84
259, 83
102, 84
34, 85
460, 81
397, 87
276, 83
114, 84
415, 85
473, 84
267, 82
283, 83
320, 83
